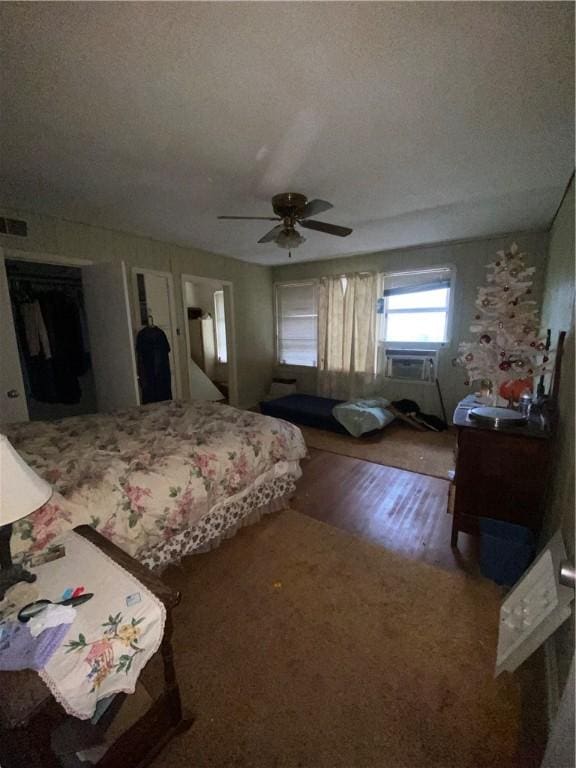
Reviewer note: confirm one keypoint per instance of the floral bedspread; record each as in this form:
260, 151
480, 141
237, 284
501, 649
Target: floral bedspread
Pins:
143, 475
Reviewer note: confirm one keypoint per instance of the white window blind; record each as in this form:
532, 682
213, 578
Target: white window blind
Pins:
296, 323
220, 327
416, 307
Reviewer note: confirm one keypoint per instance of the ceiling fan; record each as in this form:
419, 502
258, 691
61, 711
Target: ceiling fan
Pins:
293, 208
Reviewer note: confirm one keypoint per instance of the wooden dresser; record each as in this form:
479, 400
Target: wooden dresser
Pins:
500, 473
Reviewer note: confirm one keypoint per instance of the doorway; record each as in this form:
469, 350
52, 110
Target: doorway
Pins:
208, 308
153, 306
52, 336
107, 338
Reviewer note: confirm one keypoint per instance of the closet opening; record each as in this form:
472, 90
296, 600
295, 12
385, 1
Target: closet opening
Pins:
52, 335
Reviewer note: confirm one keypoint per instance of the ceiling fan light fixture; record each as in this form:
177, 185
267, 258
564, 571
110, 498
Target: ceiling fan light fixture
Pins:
289, 238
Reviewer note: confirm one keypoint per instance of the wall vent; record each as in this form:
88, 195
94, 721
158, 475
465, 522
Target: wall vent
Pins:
13, 227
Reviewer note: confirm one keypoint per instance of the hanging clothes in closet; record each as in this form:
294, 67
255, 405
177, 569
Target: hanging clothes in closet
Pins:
54, 348
153, 354
62, 318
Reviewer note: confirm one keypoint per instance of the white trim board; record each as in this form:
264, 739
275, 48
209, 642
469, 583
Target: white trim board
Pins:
45, 258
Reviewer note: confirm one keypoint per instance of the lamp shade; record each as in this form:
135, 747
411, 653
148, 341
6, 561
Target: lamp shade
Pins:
21, 490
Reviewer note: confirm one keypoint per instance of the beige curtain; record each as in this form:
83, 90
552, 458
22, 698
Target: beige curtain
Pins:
347, 335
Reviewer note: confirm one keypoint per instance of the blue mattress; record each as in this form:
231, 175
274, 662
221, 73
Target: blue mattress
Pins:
308, 410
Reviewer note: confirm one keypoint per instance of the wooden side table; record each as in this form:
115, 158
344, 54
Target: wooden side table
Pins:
500, 474
29, 714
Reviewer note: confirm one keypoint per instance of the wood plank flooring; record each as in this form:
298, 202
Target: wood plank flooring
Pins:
401, 511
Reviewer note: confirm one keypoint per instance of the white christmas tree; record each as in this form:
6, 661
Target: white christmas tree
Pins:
508, 344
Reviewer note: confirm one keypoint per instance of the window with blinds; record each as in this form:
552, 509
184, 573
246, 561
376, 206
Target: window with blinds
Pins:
415, 307
296, 323
220, 327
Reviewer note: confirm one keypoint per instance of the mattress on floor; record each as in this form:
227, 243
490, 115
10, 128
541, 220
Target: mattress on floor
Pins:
308, 410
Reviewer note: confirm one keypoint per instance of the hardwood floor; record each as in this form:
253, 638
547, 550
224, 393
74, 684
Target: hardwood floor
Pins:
401, 511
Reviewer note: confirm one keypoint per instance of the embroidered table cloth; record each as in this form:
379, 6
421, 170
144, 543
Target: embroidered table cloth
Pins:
113, 635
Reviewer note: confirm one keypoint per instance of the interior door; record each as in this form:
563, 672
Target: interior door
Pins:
111, 340
13, 406
154, 302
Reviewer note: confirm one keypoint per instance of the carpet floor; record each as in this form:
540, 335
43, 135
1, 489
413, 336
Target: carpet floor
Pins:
399, 445
301, 646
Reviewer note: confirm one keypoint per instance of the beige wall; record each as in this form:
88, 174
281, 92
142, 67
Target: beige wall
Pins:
252, 285
469, 259
558, 314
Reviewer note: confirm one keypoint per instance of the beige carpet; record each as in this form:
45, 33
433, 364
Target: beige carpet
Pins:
430, 453
300, 646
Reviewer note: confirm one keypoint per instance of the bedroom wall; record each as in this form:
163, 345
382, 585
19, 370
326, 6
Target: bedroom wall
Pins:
252, 285
558, 314
469, 258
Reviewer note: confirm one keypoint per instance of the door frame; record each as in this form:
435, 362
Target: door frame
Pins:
135, 304
10, 351
230, 331
14, 254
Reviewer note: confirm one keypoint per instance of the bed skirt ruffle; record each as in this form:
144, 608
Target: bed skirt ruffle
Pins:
223, 522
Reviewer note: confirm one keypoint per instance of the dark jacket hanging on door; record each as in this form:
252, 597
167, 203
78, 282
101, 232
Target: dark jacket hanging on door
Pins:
152, 349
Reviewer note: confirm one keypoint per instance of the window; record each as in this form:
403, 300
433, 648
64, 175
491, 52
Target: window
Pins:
415, 307
296, 323
220, 327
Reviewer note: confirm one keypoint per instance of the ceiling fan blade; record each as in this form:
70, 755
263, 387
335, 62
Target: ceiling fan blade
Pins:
252, 218
313, 207
272, 235
329, 229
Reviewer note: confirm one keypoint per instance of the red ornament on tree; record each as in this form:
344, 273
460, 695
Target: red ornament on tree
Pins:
485, 339
504, 365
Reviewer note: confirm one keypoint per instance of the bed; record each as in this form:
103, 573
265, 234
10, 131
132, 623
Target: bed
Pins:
159, 481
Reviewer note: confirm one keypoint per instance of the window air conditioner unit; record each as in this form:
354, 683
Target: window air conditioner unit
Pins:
411, 365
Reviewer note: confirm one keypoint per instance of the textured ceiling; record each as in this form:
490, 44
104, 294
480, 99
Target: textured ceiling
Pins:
420, 122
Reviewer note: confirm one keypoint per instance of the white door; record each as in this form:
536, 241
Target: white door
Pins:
13, 406
110, 330
154, 305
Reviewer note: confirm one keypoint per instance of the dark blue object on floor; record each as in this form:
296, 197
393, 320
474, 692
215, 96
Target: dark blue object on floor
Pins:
506, 550
309, 410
